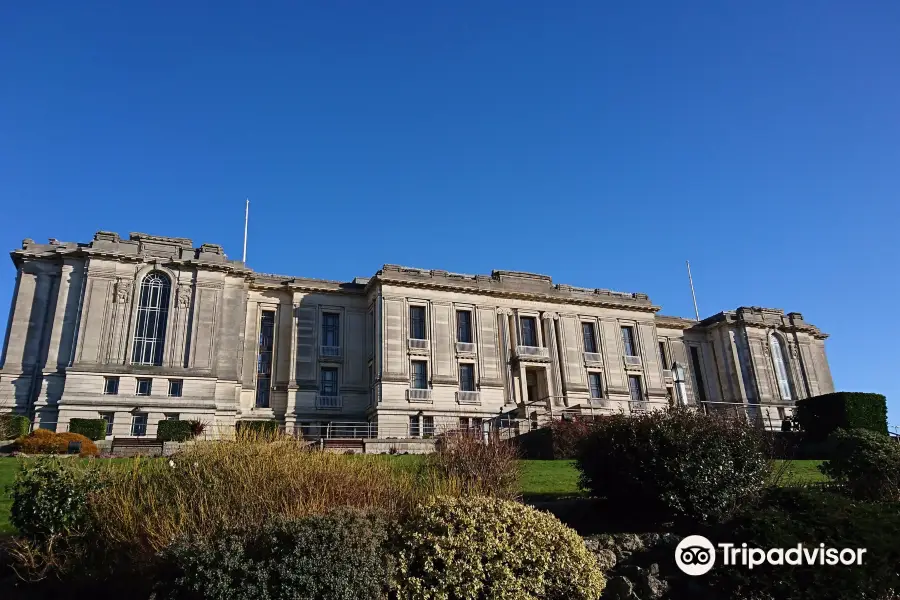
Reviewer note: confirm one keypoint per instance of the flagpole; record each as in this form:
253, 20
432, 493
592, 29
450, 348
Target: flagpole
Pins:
693, 294
246, 220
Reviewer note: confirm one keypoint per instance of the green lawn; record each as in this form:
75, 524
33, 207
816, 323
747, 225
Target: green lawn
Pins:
541, 479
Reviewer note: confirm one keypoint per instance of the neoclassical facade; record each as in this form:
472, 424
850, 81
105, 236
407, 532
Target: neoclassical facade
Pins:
148, 328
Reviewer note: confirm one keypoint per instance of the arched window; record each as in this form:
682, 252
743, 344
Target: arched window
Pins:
781, 367
153, 312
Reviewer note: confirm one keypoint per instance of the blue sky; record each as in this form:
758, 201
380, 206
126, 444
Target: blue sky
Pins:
600, 143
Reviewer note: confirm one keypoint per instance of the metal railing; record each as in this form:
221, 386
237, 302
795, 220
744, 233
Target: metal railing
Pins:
328, 402
468, 397
632, 361
532, 351
465, 348
593, 357
415, 344
418, 395
330, 351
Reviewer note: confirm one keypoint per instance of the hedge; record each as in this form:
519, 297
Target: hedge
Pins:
168, 430
265, 428
820, 416
93, 429
13, 426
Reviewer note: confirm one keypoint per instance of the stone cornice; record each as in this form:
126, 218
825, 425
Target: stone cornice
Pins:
669, 322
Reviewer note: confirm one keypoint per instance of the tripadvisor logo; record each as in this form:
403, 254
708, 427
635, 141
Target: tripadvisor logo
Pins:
696, 555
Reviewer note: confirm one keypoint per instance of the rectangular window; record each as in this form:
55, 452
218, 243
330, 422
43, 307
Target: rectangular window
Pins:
476, 423
414, 426
464, 326
139, 424
467, 377
175, 387
331, 329
529, 331
634, 387
264, 358
328, 382
109, 418
698, 373
172, 416
628, 341
662, 356
144, 385
464, 422
590, 337
596, 384
417, 322
110, 386
428, 426
419, 380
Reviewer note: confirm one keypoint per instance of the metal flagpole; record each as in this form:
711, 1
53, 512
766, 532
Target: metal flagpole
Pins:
693, 295
246, 220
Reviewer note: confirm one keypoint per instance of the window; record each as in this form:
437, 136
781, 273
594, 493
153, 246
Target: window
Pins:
172, 416
428, 426
529, 331
635, 389
419, 379
476, 423
152, 314
417, 322
596, 384
414, 426
698, 373
467, 377
464, 422
628, 341
464, 326
781, 367
175, 387
662, 356
139, 424
328, 382
331, 329
144, 385
590, 337
264, 358
109, 418
110, 386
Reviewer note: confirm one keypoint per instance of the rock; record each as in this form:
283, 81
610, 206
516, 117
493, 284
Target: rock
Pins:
654, 569
606, 559
618, 588
650, 540
629, 542
632, 572
605, 540
592, 544
651, 588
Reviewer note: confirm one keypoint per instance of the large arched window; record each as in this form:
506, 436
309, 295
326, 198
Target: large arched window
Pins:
781, 367
153, 312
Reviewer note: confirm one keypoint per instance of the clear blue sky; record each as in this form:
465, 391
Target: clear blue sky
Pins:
601, 143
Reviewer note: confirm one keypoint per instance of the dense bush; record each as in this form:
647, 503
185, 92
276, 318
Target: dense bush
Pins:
13, 426
339, 556
559, 440
677, 464
482, 548
475, 467
786, 517
48, 497
168, 430
267, 428
866, 464
820, 416
93, 429
43, 441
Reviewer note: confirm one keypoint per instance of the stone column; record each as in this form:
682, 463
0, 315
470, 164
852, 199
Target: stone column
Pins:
183, 294
506, 355
550, 318
54, 360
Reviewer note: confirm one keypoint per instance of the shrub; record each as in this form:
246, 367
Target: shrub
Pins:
197, 427
820, 416
173, 431
222, 486
267, 428
866, 464
338, 556
93, 429
488, 548
678, 464
42, 441
13, 426
785, 517
48, 497
475, 467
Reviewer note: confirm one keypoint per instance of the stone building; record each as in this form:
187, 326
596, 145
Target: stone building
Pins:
147, 328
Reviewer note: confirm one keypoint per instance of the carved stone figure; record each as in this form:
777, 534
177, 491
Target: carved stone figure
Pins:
184, 295
123, 291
